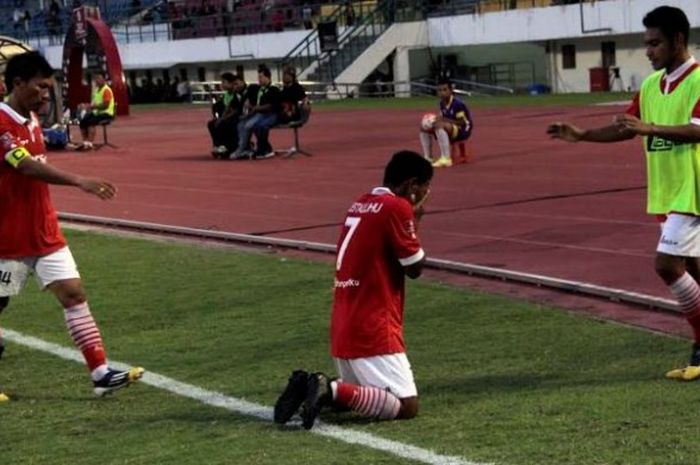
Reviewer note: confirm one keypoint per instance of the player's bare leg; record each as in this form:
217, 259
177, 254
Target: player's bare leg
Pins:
89, 140
92, 133
685, 288
86, 335
86, 143
409, 408
692, 266
4, 301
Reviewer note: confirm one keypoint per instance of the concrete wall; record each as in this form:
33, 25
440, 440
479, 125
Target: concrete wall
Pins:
165, 54
481, 55
617, 17
420, 62
630, 58
401, 37
212, 71
619, 21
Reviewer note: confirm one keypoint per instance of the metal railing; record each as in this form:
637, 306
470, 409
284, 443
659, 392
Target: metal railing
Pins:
308, 50
352, 42
468, 86
461, 7
204, 91
481, 88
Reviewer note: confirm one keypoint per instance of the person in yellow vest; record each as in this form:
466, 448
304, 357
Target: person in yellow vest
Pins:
666, 113
100, 109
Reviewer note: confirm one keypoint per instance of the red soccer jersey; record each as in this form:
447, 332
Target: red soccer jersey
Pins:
378, 239
28, 222
667, 87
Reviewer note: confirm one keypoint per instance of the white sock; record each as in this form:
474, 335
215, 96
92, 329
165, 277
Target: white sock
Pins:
99, 372
426, 141
687, 292
444, 142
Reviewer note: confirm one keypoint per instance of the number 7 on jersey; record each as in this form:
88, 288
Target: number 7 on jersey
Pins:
352, 222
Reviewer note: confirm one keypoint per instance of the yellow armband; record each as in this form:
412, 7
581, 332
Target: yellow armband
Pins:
15, 156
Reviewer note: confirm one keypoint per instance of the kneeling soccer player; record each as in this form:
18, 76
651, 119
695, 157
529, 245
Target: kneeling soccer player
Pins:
31, 237
377, 248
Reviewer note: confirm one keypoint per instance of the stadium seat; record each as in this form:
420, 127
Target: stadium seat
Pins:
295, 126
105, 141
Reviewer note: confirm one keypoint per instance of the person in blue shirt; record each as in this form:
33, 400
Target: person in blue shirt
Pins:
453, 125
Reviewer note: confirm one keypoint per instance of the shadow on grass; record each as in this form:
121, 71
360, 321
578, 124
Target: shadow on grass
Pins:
518, 382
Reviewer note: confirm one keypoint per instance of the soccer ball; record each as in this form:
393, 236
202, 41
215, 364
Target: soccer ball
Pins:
428, 121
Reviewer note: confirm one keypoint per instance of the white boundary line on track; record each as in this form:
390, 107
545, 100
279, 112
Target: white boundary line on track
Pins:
251, 409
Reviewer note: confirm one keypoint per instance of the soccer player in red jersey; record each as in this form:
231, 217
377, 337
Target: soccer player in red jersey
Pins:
32, 241
377, 248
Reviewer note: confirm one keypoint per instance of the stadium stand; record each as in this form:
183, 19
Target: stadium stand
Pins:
113, 12
457, 7
210, 18
184, 18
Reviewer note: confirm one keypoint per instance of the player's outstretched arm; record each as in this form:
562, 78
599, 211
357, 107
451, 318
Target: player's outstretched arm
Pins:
53, 175
571, 133
686, 133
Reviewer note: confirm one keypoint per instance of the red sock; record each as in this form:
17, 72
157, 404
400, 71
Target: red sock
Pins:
86, 335
367, 401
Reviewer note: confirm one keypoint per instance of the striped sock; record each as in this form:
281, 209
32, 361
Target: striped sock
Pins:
687, 292
87, 338
366, 400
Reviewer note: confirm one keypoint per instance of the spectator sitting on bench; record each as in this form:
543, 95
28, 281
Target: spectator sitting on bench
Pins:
292, 98
260, 110
227, 110
92, 114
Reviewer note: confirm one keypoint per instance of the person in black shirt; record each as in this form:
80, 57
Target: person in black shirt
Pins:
260, 114
223, 128
292, 98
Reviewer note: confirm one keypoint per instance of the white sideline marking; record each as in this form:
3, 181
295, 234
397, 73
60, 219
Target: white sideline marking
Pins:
233, 404
613, 104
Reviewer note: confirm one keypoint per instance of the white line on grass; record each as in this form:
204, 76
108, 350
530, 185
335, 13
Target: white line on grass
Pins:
233, 404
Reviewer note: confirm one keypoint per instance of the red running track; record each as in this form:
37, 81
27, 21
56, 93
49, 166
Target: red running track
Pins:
527, 203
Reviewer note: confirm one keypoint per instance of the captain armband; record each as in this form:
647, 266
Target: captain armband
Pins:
15, 156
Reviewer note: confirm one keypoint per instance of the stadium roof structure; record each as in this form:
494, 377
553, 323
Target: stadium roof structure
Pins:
10, 47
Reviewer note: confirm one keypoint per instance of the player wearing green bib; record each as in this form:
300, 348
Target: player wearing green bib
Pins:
666, 113
101, 109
